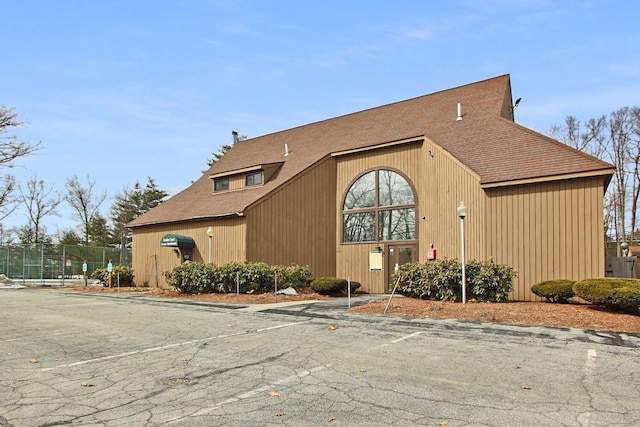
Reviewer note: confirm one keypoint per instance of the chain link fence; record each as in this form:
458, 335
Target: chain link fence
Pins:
40, 262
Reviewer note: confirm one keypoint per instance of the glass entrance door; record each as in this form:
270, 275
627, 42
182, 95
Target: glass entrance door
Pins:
396, 256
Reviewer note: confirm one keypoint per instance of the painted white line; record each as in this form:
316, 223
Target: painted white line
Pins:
11, 340
592, 355
589, 365
281, 326
167, 347
250, 393
397, 340
406, 337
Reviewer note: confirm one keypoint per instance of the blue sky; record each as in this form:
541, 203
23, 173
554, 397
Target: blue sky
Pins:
123, 90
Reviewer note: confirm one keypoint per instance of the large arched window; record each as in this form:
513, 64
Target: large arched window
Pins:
379, 205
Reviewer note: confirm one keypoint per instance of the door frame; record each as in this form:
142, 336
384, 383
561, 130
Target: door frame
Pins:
389, 263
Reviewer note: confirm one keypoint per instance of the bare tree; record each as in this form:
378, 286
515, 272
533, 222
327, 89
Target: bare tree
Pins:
619, 128
10, 147
591, 139
10, 150
634, 151
8, 202
85, 203
39, 202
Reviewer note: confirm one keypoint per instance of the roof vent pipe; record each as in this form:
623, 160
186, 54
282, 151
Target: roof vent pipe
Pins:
286, 149
234, 137
459, 112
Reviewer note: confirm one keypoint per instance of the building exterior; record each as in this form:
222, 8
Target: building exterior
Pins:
335, 194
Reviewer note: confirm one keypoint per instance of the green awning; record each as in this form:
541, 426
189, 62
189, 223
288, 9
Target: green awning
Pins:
177, 241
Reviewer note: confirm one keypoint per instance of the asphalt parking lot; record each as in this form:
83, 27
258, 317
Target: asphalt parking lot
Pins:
79, 359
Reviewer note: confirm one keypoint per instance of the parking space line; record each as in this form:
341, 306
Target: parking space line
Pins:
251, 393
592, 355
397, 340
169, 346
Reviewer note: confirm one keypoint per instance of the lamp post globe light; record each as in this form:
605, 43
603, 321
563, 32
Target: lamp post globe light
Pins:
210, 234
462, 213
625, 248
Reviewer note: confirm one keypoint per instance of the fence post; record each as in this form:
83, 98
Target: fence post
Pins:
64, 262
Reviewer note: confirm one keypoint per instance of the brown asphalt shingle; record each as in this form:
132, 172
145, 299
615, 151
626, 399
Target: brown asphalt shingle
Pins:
494, 147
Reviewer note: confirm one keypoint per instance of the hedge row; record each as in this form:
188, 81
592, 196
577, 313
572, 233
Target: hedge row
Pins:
442, 280
197, 277
616, 293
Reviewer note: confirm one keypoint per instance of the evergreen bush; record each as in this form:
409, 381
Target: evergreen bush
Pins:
329, 285
354, 286
554, 291
617, 293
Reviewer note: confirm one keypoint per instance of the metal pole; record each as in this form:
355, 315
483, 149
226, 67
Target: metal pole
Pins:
464, 278
64, 261
391, 296
41, 264
210, 247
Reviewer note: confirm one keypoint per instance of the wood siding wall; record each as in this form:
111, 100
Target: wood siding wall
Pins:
547, 231
296, 224
236, 182
440, 182
228, 244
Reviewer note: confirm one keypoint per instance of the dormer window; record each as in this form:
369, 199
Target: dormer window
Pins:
253, 178
221, 184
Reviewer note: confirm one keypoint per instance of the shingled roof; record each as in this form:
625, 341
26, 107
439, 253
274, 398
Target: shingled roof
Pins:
486, 140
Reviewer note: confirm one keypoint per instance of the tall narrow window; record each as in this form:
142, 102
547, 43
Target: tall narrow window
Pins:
379, 206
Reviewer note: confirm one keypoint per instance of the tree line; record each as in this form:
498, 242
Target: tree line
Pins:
614, 138
40, 201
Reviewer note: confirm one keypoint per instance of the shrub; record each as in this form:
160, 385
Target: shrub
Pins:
489, 281
122, 275
294, 276
191, 277
329, 285
442, 280
412, 281
554, 290
196, 277
354, 286
616, 293
232, 276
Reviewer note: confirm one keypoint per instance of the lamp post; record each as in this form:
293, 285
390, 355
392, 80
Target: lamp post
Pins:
625, 248
462, 213
210, 234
